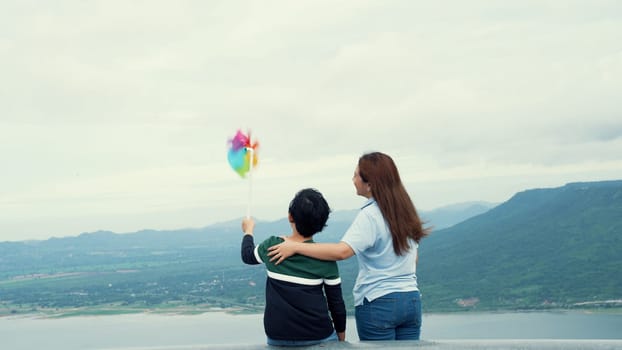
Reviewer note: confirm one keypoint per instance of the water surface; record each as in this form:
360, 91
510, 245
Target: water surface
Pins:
158, 330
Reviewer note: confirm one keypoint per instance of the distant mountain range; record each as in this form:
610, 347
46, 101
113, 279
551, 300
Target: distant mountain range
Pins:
543, 248
452, 214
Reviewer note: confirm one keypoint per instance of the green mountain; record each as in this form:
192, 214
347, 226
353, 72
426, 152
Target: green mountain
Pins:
543, 248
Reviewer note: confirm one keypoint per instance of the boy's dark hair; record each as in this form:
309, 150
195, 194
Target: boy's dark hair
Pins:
309, 210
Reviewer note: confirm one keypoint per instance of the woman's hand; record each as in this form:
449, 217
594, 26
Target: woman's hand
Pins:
282, 251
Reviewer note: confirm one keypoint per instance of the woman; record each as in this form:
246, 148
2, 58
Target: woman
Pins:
384, 237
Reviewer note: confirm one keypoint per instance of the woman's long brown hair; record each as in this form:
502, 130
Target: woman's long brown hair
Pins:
379, 171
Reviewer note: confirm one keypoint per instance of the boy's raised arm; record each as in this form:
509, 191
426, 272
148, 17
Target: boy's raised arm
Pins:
247, 249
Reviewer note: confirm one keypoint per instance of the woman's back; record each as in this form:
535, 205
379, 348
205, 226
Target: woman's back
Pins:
381, 271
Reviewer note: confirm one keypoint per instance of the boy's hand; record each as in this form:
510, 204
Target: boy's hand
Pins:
341, 336
248, 225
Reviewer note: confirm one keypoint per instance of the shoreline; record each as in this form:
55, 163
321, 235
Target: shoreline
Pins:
189, 311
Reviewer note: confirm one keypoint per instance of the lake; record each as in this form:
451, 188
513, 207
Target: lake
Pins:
158, 330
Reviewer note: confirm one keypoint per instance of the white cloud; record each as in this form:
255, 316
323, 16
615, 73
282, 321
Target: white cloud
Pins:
116, 114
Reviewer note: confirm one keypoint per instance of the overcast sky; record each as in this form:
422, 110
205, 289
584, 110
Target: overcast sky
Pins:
115, 115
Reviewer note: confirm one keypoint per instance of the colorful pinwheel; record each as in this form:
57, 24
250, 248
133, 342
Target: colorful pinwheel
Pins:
242, 154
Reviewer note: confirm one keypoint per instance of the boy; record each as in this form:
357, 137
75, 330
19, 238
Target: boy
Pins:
301, 291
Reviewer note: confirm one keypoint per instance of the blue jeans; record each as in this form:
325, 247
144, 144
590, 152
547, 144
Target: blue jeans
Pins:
277, 342
395, 316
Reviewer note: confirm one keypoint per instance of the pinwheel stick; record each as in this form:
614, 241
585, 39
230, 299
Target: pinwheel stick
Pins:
250, 182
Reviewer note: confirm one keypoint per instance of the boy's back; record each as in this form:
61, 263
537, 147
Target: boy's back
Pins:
304, 304
296, 307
